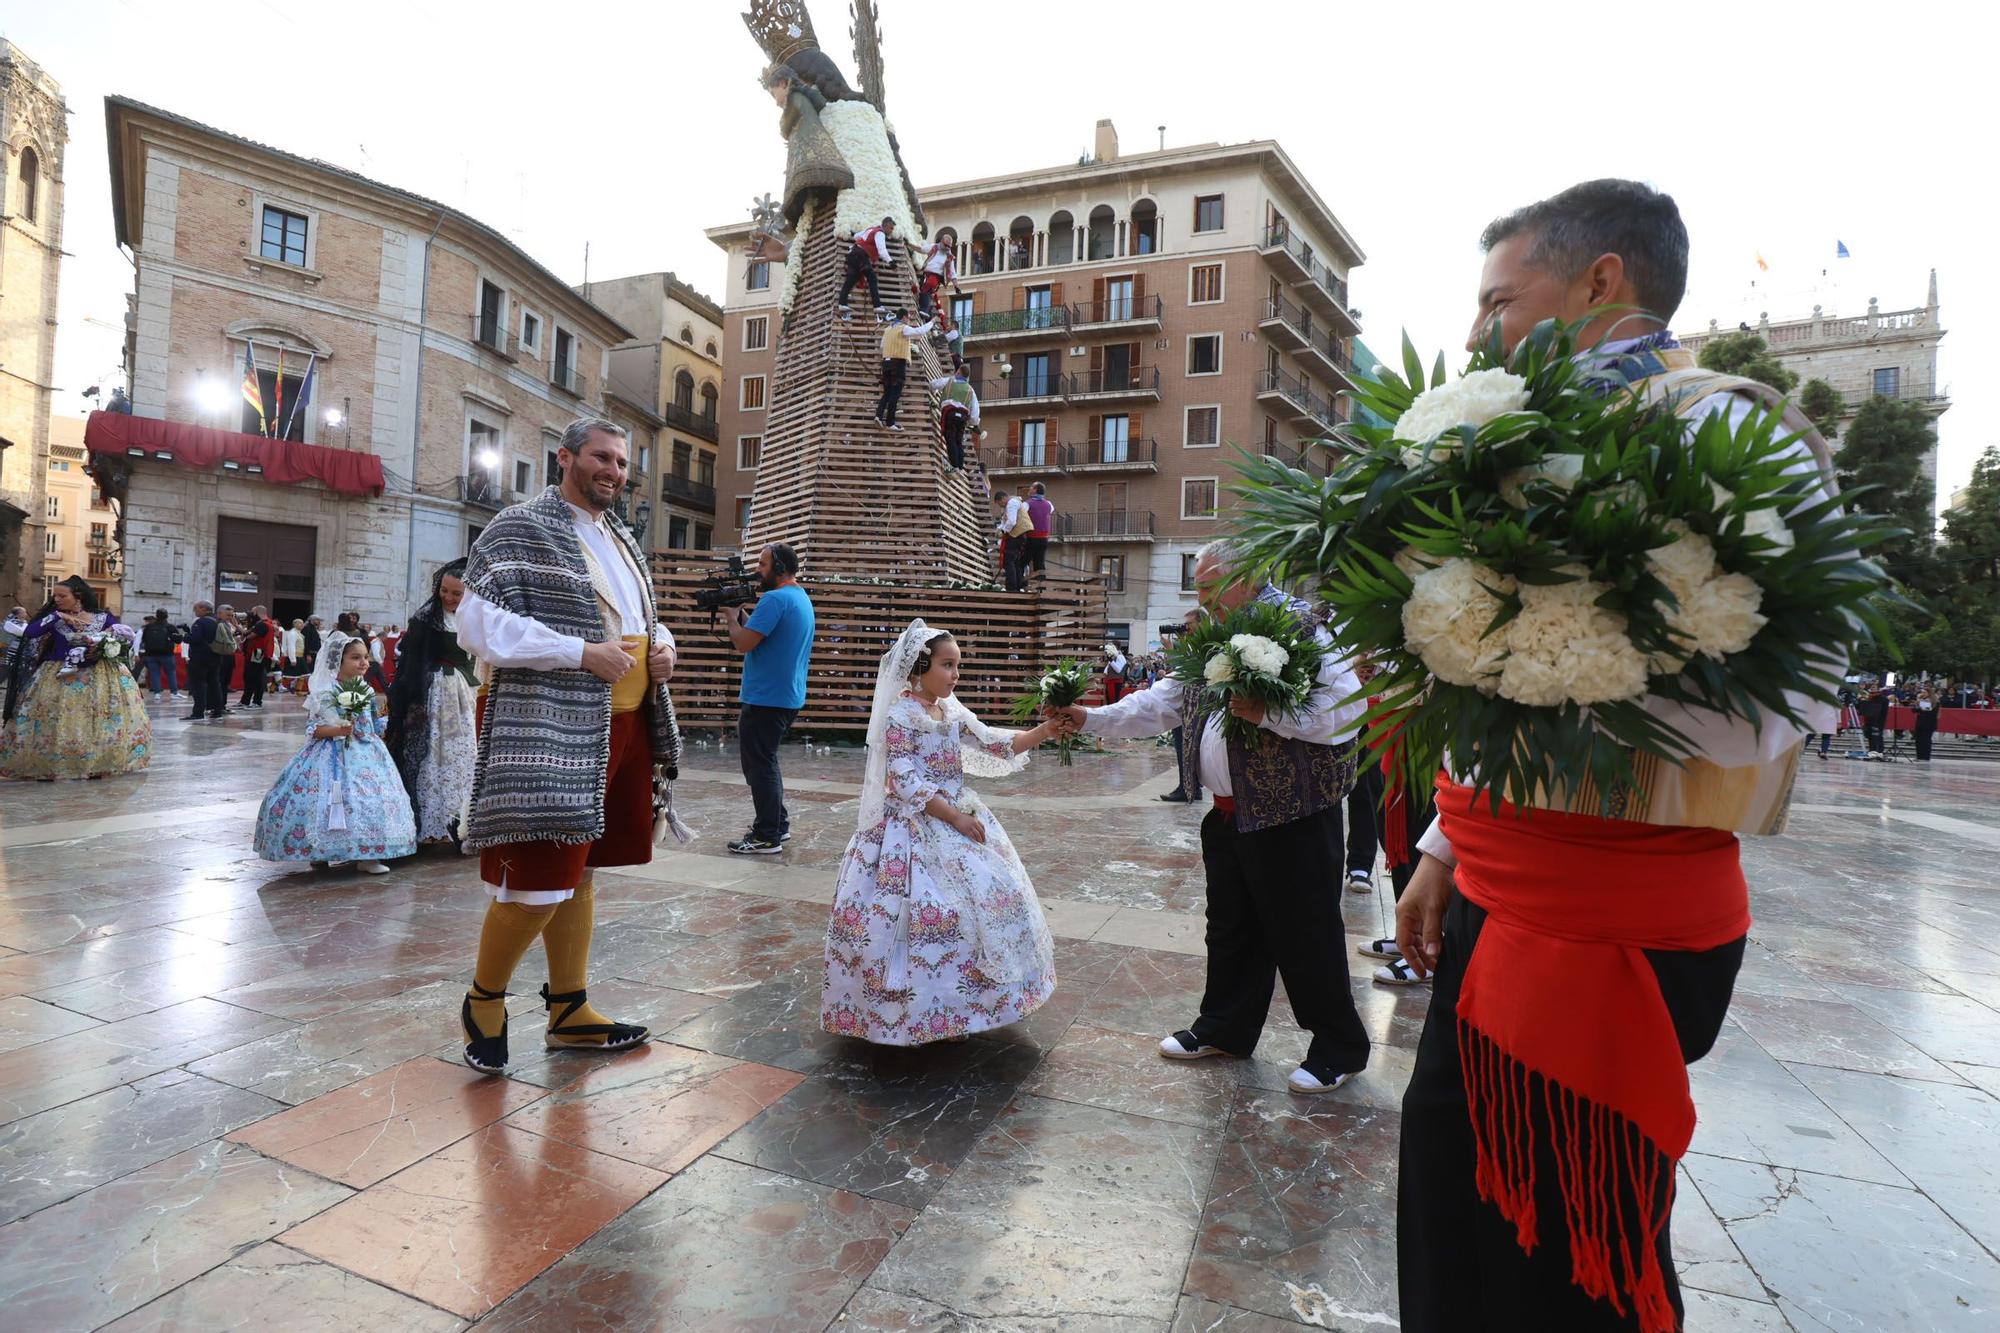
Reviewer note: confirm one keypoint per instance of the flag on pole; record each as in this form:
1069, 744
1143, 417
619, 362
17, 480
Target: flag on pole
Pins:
1762, 267
305, 396
253, 393
1840, 250
278, 392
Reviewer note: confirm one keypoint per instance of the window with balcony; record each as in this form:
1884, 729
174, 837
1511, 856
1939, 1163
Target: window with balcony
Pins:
281, 419
1144, 237
753, 394
1204, 284
704, 537
1034, 443
760, 275
1040, 309
1035, 377
708, 398
100, 534
1888, 381
704, 468
1203, 428
1111, 568
1205, 354
1114, 439
677, 532
1118, 298
757, 333
100, 565
1101, 239
283, 237
961, 312
1198, 497
983, 251
562, 364
1062, 238
749, 448
683, 459
531, 332
1208, 212
684, 390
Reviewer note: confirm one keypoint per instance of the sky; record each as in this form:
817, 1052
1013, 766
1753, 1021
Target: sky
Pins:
627, 128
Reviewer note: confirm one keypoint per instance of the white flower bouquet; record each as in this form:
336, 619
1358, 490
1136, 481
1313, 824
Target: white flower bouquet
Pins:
1061, 686
1260, 652
354, 702
119, 644
1533, 554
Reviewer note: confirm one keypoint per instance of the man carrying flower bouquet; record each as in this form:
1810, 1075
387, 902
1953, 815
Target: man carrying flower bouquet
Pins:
1271, 846
1584, 951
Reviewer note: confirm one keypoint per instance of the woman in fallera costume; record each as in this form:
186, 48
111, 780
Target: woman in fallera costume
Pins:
80, 714
431, 735
935, 931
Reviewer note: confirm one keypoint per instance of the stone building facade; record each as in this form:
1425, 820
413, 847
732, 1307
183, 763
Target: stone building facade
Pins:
434, 344
1131, 321
673, 362
34, 131
1879, 354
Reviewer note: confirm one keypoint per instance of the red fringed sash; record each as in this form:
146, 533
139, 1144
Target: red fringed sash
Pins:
1559, 1008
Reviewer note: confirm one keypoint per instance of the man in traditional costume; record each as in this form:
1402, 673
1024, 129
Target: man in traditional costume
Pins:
573, 721
1271, 847
1586, 954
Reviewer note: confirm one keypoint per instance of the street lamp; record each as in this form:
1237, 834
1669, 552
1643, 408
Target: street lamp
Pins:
337, 419
212, 396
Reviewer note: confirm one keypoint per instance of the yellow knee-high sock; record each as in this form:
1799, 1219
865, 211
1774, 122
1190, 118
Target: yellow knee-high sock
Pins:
567, 941
510, 928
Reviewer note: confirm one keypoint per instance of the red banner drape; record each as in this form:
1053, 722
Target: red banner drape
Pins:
284, 462
1955, 721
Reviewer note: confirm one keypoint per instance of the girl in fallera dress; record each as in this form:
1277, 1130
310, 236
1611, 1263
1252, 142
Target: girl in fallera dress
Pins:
340, 800
935, 931
72, 707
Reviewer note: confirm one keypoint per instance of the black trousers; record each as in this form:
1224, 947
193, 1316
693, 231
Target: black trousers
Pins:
1871, 733
1364, 819
954, 436
760, 730
1458, 1266
1413, 828
253, 681
1274, 910
893, 373
1034, 555
860, 267
1924, 737
209, 679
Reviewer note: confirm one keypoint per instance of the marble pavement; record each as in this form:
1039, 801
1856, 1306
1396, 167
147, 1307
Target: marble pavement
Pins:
229, 1094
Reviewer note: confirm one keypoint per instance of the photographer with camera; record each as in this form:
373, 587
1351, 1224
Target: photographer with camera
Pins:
775, 640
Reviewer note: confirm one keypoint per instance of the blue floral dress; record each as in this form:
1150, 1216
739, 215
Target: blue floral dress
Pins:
933, 935
338, 800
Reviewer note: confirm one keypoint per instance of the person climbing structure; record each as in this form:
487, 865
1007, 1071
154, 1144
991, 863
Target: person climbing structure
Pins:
896, 362
871, 247
958, 407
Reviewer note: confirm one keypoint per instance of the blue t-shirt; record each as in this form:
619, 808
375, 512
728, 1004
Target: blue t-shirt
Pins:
774, 672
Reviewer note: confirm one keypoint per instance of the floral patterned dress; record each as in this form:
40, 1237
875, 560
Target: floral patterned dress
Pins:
77, 720
338, 800
933, 935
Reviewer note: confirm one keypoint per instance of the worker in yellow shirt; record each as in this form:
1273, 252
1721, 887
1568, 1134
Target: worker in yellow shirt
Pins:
896, 362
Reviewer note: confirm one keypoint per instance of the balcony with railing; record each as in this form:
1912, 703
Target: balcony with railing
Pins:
1328, 291
1323, 352
492, 335
1023, 389
1142, 455
1119, 314
1044, 458
1294, 458
1288, 326
483, 489
1133, 384
567, 378
689, 420
1288, 255
1106, 525
1277, 389
1294, 261
687, 492
1022, 324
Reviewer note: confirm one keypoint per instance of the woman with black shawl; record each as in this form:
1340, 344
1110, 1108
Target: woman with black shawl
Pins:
72, 709
431, 734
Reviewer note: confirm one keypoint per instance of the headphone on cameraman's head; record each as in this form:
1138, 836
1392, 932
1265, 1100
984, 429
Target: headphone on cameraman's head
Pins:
784, 559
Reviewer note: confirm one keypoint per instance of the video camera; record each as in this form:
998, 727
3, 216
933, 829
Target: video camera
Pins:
1170, 629
733, 586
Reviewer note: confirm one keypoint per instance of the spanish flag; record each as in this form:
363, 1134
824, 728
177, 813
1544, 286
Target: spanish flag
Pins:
253, 392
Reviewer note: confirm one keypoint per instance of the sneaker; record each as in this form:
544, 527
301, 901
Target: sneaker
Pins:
1360, 881
1184, 1045
893, 426
786, 836
755, 847
1383, 948
1309, 1081
371, 867
1398, 973
846, 312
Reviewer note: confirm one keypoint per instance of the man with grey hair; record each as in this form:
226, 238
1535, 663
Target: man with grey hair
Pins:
1271, 846
207, 678
572, 726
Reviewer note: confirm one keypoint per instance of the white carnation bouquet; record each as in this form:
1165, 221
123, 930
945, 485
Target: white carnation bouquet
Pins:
353, 701
1534, 553
118, 645
1260, 651
1061, 686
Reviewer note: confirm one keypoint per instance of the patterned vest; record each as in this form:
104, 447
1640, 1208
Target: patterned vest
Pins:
1753, 798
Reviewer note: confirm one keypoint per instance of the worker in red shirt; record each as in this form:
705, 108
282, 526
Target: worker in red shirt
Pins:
871, 247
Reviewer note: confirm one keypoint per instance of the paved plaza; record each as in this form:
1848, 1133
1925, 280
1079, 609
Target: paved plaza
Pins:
230, 1094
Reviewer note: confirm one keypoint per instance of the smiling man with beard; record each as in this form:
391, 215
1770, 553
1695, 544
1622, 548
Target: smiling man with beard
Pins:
571, 725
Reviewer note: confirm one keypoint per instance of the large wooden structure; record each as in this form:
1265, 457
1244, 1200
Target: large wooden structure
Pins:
850, 495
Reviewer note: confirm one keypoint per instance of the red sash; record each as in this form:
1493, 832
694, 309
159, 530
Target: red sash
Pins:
1560, 1007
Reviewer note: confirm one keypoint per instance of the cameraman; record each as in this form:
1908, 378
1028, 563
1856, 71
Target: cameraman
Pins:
775, 640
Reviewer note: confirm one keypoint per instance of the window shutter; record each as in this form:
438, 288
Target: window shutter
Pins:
1135, 355
1096, 429
1138, 288
1135, 427
1097, 296
1020, 298
978, 300
975, 370
1055, 293
1097, 354
1013, 437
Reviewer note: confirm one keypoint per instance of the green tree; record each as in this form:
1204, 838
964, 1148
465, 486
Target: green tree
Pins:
1972, 527
1745, 354
1885, 449
1822, 404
